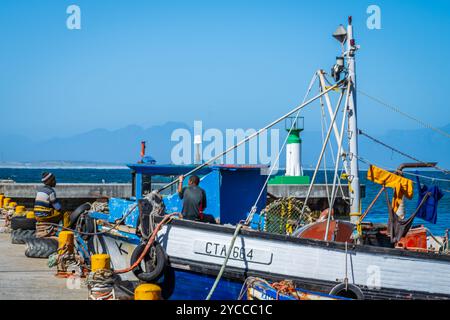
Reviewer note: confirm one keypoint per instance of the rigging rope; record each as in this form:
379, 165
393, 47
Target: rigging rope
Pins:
322, 120
344, 168
367, 162
334, 190
324, 145
360, 132
254, 207
260, 131
106, 230
426, 177
395, 109
281, 149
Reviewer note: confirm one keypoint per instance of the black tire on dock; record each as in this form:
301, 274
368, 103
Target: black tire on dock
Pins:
19, 236
40, 247
77, 213
23, 223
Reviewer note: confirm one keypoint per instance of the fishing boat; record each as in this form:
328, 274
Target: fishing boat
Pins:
148, 241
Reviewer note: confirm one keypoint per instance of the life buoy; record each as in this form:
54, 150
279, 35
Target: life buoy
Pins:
347, 291
154, 267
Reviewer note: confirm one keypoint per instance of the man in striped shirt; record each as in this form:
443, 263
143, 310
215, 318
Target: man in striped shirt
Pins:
47, 207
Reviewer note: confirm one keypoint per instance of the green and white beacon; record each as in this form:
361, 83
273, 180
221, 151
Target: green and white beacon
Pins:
294, 147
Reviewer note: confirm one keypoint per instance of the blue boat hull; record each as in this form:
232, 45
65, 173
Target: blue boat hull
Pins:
194, 286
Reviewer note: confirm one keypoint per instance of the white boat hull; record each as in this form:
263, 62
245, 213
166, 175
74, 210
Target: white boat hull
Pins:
379, 272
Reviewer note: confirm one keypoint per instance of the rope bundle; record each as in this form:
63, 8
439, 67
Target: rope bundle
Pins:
101, 285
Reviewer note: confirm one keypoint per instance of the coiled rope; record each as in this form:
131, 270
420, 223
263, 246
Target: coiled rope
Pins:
254, 207
165, 220
115, 226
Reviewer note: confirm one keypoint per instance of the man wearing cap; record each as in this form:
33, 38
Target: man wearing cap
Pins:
47, 207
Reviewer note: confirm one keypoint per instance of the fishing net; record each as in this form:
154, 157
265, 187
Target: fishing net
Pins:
284, 215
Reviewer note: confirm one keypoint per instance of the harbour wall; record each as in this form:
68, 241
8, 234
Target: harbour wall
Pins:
72, 195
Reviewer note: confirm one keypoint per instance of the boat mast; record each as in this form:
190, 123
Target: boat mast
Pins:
353, 127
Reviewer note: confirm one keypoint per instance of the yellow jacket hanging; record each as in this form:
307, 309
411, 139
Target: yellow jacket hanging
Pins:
402, 187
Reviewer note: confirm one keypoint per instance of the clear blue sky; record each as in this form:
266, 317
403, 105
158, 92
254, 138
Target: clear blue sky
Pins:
229, 63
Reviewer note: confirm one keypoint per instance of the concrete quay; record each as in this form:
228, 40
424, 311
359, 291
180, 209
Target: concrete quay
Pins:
23, 278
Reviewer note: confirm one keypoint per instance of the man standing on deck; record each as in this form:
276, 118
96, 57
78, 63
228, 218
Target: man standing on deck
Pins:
47, 207
194, 200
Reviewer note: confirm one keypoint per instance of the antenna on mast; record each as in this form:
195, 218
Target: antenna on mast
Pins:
346, 63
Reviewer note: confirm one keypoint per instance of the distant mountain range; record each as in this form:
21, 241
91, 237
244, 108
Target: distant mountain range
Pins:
94, 148
109, 148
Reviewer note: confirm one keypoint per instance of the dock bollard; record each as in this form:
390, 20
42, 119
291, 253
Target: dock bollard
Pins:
68, 263
20, 209
66, 241
30, 215
147, 291
100, 262
6, 202
100, 280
